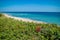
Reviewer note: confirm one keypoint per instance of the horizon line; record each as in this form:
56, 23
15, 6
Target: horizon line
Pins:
17, 12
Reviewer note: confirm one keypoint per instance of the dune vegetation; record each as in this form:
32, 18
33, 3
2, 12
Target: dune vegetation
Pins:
11, 29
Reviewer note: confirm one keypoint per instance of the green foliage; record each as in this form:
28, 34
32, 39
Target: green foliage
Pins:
0, 15
11, 29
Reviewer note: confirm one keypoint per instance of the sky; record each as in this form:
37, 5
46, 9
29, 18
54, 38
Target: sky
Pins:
30, 5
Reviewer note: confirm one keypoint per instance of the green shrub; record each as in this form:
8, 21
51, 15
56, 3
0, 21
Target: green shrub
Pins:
11, 29
0, 15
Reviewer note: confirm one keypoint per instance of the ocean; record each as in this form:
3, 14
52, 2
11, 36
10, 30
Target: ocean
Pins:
48, 17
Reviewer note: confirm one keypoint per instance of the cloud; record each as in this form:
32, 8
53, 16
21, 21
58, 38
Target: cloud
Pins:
35, 8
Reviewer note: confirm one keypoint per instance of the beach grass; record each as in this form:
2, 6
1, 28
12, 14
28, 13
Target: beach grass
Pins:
11, 29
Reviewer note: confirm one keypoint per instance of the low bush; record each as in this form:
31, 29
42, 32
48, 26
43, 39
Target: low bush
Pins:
11, 29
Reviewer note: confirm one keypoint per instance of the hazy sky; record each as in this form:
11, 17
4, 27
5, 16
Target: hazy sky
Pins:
30, 5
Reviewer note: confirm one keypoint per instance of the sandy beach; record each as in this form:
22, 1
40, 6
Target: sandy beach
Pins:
23, 19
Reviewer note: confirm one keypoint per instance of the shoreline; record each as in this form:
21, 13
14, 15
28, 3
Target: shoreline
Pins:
23, 19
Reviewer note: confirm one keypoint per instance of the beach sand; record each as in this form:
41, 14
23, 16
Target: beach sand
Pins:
23, 19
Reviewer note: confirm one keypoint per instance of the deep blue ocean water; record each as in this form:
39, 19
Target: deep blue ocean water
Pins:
49, 17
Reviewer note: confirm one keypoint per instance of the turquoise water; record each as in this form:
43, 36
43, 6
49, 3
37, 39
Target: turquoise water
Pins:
49, 17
